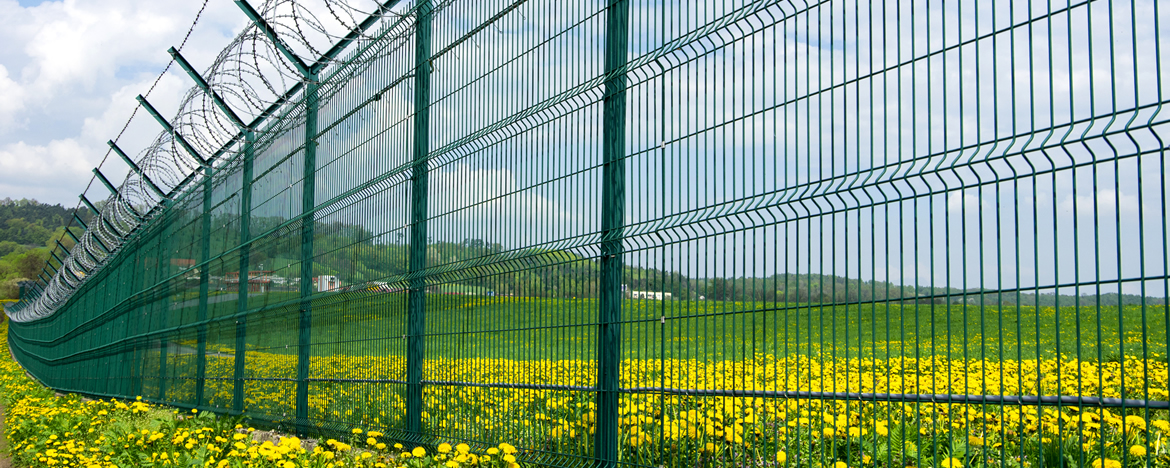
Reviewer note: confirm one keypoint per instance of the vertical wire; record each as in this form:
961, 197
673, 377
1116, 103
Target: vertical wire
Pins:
821, 235
1117, 230
1096, 221
791, 67
779, 324
1141, 238
1163, 199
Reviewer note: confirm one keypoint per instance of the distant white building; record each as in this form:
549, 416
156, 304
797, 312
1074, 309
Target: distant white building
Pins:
656, 295
327, 283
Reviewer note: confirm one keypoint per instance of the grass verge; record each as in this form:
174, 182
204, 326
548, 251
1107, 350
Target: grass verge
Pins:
46, 430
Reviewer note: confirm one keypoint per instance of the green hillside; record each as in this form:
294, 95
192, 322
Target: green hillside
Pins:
28, 229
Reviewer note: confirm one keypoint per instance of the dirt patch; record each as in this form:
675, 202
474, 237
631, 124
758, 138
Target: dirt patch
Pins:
4, 461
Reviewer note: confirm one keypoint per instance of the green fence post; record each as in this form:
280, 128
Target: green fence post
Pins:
117, 195
126, 384
613, 198
149, 254
245, 215
202, 83
137, 170
63, 249
244, 285
84, 250
204, 278
98, 215
96, 239
308, 203
417, 298
134, 327
164, 271
60, 263
171, 131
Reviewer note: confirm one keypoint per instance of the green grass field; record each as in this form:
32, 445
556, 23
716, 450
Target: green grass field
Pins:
477, 347
374, 324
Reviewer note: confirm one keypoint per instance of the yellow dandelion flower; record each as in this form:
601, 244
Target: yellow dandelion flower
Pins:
1106, 463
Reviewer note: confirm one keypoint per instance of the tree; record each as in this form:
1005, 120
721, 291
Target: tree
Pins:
29, 264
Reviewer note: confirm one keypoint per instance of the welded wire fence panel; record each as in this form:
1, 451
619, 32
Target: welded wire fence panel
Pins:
769, 233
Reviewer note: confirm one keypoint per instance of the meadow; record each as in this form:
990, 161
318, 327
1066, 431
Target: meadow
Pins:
45, 429
701, 380
364, 324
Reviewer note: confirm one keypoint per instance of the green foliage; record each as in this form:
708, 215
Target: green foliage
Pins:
23, 264
29, 230
28, 222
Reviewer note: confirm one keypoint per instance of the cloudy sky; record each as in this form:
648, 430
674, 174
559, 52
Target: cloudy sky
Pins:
69, 71
1057, 96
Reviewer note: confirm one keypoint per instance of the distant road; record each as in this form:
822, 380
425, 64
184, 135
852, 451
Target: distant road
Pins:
210, 300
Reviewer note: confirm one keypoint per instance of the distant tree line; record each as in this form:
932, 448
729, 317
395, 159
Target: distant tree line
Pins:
28, 232
828, 289
358, 256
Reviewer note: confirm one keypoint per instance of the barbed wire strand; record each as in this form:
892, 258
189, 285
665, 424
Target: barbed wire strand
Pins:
134, 112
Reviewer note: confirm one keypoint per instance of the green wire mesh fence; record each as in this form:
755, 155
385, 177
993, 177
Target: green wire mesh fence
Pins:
770, 233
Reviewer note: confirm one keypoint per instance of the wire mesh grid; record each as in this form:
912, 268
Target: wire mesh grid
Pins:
770, 233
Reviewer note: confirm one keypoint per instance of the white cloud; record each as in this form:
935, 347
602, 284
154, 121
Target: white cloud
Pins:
60, 165
963, 200
105, 126
491, 196
69, 71
11, 99
1106, 200
81, 43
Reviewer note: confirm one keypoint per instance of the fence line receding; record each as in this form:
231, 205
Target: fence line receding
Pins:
920, 233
